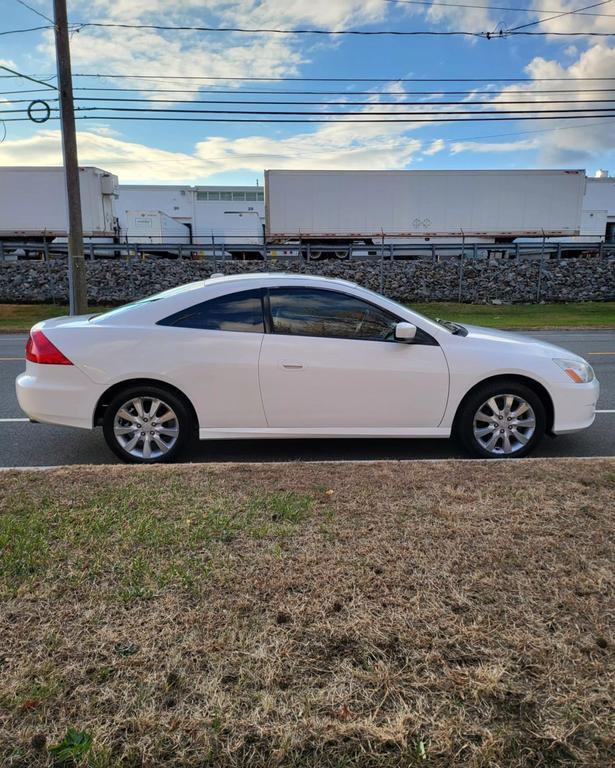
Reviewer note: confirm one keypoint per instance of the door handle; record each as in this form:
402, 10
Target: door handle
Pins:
292, 366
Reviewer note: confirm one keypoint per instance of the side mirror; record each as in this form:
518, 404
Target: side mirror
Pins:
405, 332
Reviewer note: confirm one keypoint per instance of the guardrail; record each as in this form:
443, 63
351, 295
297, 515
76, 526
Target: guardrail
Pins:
228, 251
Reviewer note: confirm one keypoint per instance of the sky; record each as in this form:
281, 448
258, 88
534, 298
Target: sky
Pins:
510, 68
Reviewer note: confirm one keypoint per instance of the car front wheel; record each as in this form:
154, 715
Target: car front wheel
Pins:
147, 425
501, 421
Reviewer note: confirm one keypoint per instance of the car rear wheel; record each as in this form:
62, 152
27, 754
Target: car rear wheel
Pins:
504, 420
147, 425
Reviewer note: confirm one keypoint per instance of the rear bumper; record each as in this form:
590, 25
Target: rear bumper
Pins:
575, 406
57, 394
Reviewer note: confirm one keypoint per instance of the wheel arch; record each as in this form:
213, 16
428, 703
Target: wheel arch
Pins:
109, 394
540, 390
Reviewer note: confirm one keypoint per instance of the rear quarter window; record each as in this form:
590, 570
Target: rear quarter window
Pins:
240, 312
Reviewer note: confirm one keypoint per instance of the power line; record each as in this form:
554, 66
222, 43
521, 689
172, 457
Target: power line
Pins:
503, 115
15, 73
523, 133
353, 120
34, 10
491, 7
78, 26
429, 121
557, 16
341, 94
307, 113
28, 29
422, 103
502, 34
347, 79
324, 104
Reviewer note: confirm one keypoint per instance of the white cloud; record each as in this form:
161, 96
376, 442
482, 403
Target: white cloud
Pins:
156, 53
452, 18
498, 147
272, 13
435, 147
327, 147
583, 139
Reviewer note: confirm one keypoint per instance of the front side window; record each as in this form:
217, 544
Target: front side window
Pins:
316, 312
242, 311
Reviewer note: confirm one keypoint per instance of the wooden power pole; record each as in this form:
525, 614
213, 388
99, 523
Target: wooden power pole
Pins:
77, 287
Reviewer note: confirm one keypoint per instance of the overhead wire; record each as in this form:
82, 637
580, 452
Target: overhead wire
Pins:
284, 79
310, 113
34, 10
425, 117
489, 7
424, 103
500, 34
556, 16
27, 29
345, 94
15, 73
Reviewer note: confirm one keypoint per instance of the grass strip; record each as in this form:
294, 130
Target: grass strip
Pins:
19, 318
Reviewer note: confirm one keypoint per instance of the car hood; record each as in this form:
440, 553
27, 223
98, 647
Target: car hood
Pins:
527, 344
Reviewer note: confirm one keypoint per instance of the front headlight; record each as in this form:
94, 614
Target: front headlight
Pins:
578, 370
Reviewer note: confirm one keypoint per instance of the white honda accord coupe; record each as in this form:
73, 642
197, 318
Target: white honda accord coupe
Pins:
275, 355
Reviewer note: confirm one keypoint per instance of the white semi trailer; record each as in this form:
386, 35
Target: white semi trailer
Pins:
33, 203
353, 207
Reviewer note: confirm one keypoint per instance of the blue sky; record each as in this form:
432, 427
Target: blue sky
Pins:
202, 153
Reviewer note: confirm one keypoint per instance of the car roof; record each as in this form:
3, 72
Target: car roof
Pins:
282, 277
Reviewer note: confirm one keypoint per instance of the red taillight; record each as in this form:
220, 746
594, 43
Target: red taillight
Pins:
40, 350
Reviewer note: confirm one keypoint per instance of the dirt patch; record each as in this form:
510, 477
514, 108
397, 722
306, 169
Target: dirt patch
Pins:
391, 614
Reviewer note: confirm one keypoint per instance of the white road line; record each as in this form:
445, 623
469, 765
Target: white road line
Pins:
612, 411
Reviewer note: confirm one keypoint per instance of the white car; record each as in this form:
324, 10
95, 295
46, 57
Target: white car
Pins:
275, 355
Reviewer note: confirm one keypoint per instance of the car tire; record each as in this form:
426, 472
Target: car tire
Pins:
501, 420
148, 425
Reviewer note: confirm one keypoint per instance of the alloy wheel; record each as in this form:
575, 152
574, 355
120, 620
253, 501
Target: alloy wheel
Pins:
146, 427
504, 424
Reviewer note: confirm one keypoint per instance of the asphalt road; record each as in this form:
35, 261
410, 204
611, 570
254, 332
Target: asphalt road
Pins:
25, 444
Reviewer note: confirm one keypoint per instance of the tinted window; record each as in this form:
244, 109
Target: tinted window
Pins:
314, 312
241, 311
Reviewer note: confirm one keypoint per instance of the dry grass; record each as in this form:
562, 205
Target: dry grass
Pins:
377, 615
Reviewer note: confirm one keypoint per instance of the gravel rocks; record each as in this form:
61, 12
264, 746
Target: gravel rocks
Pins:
480, 281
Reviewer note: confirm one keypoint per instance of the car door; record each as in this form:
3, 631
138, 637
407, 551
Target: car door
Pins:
214, 347
331, 361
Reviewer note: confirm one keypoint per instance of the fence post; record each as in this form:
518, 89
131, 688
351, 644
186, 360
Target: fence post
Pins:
542, 255
463, 253
382, 264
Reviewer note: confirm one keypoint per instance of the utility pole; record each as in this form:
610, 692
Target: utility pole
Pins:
77, 288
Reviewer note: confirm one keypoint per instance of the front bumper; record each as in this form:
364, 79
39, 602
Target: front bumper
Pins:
574, 406
57, 394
